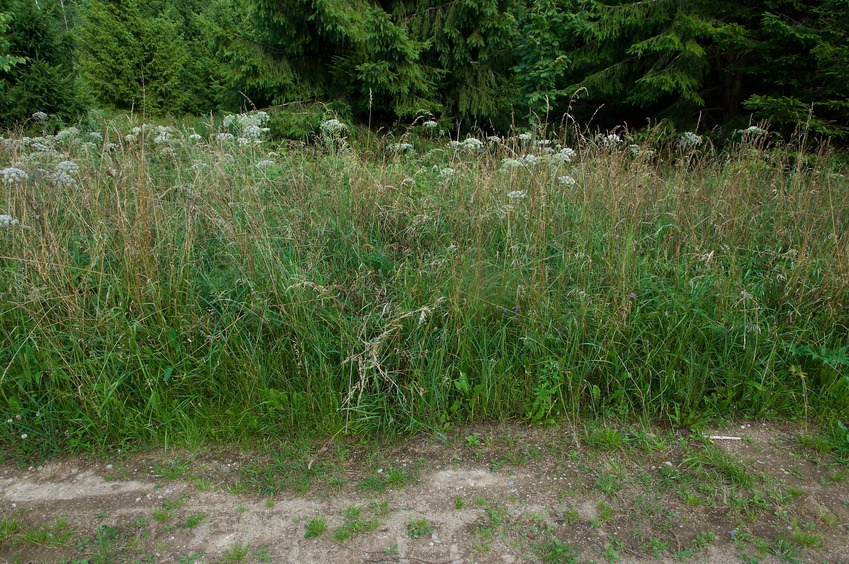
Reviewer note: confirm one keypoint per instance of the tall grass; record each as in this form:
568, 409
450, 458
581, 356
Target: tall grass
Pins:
177, 291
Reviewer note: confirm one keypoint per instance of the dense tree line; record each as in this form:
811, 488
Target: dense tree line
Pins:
488, 63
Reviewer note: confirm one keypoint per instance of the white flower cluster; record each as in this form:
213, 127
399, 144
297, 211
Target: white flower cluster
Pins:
64, 179
611, 140
469, 144
68, 133
225, 137
96, 135
249, 127
333, 128
7, 221
195, 138
566, 180
430, 124
163, 135
525, 137
564, 155
12, 175
640, 151
265, 163
446, 173
244, 120
494, 140
40, 117
64, 173
401, 147
517, 195
133, 134
68, 167
754, 130
511, 163
689, 140
253, 131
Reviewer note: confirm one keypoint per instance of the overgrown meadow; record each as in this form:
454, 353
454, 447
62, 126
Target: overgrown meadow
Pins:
163, 284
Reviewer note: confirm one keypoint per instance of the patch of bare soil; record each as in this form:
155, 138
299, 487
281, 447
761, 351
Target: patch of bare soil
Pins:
760, 493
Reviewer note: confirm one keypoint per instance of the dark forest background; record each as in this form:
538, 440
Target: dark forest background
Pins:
481, 63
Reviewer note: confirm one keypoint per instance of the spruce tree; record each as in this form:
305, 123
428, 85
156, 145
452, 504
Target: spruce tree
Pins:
387, 59
133, 60
784, 60
7, 59
43, 78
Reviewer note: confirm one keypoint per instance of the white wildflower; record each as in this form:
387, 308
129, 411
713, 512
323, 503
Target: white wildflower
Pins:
638, 151
163, 135
64, 179
568, 154
40, 147
229, 119
66, 133
68, 167
96, 135
611, 140
194, 137
271, 155
494, 140
243, 141
511, 163
517, 194
525, 137
7, 221
401, 147
454, 144
543, 142
447, 172
754, 130
265, 163
24, 436
333, 128
566, 180
40, 117
430, 124
225, 137
12, 175
689, 140
530, 160
252, 131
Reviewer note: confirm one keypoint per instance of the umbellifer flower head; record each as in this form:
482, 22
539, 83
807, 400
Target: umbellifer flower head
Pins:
12, 175
7, 221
